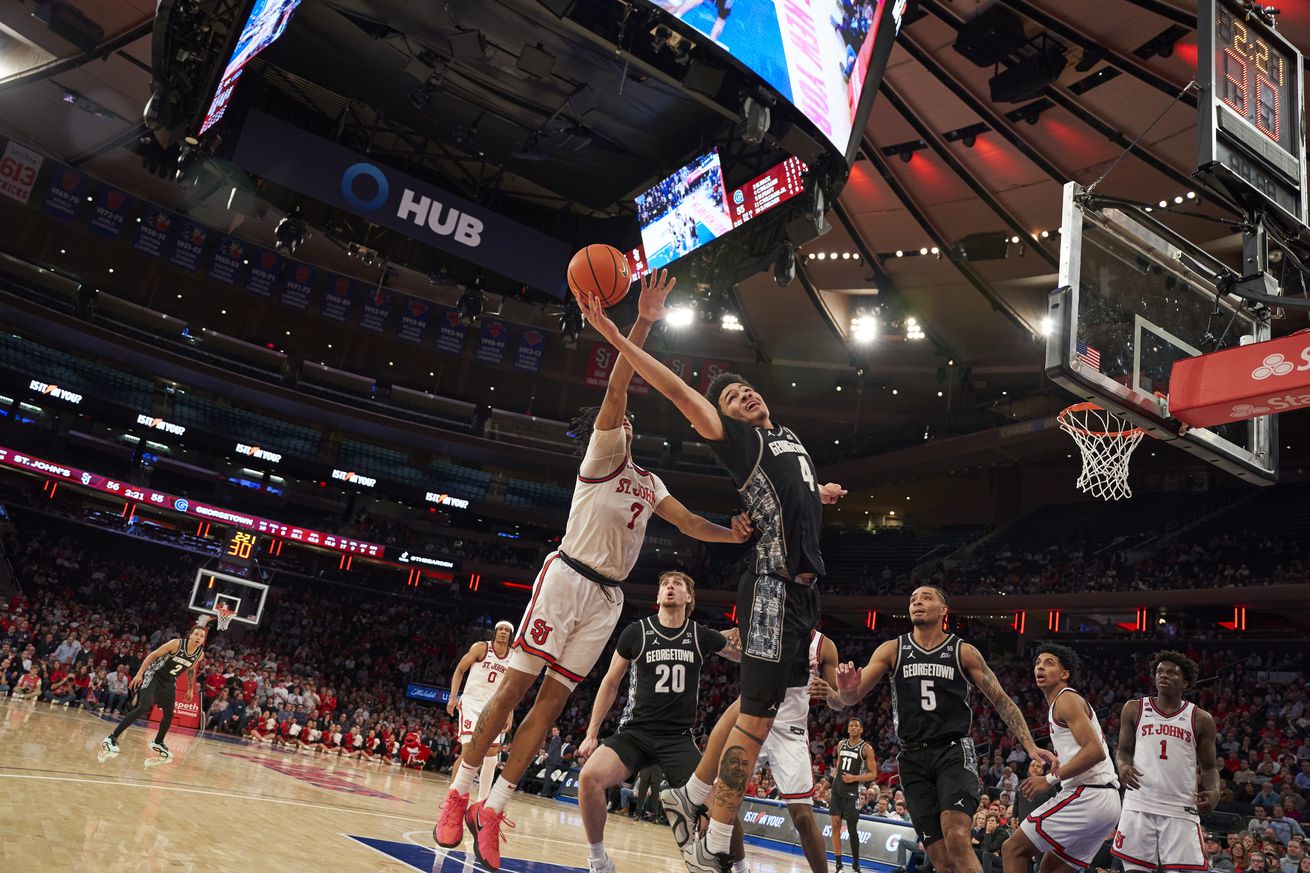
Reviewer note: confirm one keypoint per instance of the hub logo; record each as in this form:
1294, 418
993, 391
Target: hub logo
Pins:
416, 208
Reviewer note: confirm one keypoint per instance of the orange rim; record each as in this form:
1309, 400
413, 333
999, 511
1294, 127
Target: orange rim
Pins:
1088, 406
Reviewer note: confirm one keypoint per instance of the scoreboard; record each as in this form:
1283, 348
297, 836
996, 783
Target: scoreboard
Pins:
766, 191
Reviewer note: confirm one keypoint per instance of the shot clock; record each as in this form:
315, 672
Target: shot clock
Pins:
239, 548
1252, 132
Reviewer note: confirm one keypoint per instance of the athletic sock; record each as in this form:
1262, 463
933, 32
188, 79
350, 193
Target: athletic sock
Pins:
498, 799
596, 851
486, 776
719, 838
740, 866
463, 780
698, 791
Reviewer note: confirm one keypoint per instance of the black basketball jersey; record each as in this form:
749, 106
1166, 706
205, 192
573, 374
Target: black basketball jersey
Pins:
173, 665
850, 759
664, 677
779, 485
930, 693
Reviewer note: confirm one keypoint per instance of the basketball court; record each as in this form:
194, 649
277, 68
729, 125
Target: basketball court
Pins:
226, 805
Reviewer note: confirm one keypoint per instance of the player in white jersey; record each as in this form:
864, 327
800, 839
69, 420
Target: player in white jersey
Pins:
481, 668
1163, 742
576, 599
1072, 826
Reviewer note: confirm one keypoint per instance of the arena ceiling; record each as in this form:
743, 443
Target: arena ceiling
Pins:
982, 316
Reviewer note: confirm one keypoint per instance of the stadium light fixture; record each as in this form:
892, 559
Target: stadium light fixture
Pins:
864, 329
680, 316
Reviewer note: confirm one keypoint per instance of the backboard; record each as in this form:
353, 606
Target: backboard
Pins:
1128, 307
244, 597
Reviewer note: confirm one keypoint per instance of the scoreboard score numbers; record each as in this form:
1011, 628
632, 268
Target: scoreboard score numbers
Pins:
240, 548
1252, 131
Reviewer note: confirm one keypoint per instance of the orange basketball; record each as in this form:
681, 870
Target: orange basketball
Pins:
599, 270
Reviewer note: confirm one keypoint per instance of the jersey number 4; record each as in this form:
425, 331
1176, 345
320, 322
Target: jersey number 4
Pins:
807, 472
670, 677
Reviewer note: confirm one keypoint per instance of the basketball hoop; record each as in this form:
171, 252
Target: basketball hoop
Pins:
224, 617
1106, 441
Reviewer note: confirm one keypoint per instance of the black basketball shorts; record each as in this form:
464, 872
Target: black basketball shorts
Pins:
675, 753
775, 617
936, 778
844, 806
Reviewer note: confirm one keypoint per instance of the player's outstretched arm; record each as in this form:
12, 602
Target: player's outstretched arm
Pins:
975, 667
650, 309
732, 649
1129, 776
675, 513
854, 685
828, 661
476, 653
609, 689
1207, 761
697, 410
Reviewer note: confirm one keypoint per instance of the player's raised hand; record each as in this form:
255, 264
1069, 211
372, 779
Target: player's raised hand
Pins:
848, 680
1048, 758
741, 527
1130, 777
654, 290
594, 309
830, 493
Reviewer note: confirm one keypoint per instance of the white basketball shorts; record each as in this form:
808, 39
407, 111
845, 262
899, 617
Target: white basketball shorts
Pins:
566, 625
1145, 841
787, 748
469, 713
1074, 824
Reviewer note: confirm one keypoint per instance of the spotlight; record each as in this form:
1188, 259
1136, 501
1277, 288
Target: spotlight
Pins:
680, 316
864, 328
784, 264
570, 324
913, 330
900, 253
470, 306
1045, 328
969, 140
923, 251
755, 121
731, 323
906, 155
289, 235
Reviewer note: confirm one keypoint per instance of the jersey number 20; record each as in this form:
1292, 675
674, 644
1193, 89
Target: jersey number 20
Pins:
670, 677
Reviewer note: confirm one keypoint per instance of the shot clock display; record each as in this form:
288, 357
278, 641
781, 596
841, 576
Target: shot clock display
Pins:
240, 548
1252, 136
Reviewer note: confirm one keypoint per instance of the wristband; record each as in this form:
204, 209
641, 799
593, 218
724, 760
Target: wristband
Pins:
1051, 779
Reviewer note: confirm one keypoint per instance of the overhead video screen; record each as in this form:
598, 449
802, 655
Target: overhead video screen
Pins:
267, 21
684, 212
817, 55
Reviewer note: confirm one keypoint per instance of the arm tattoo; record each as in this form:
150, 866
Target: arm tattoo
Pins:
1005, 707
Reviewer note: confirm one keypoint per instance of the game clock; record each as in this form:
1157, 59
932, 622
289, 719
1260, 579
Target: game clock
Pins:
1252, 104
239, 548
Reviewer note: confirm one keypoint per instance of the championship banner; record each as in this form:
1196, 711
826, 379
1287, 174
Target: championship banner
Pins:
188, 245
377, 309
288, 155
297, 285
185, 714
152, 231
682, 367
18, 169
880, 838
264, 269
530, 350
491, 341
414, 320
109, 211
600, 364
228, 258
450, 332
711, 370
337, 297
65, 194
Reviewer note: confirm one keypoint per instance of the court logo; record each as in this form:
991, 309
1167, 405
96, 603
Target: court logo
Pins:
1274, 365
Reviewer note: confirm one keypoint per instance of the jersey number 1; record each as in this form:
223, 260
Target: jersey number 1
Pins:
1164, 750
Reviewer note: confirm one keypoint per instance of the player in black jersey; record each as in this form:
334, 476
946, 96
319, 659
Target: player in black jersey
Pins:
155, 684
931, 675
854, 765
662, 657
778, 598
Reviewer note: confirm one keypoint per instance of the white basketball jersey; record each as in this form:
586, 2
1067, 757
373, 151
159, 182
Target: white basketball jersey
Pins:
612, 502
1165, 754
1103, 772
480, 681
795, 707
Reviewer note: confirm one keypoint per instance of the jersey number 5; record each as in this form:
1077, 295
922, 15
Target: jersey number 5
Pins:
927, 696
670, 677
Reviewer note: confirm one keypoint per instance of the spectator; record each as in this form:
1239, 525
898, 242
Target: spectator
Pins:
1267, 796
1216, 857
1284, 828
1295, 854
117, 691
1009, 781
989, 847
29, 686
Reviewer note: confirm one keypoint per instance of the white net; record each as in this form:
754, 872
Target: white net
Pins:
223, 618
1106, 442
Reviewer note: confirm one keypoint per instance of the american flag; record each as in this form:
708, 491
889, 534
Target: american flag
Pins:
1088, 355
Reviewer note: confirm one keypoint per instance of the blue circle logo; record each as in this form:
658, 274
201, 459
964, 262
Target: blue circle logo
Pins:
738, 197
180, 504
353, 172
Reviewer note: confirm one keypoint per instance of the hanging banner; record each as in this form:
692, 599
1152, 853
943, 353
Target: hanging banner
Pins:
682, 367
377, 308
491, 341
288, 155
338, 296
67, 189
297, 284
18, 169
414, 320
152, 231
450, 332
600, 364
530, 350
109, 211
264, 269
188, 245
711, 370
229, 256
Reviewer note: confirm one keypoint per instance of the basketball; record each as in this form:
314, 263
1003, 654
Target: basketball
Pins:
599, 270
